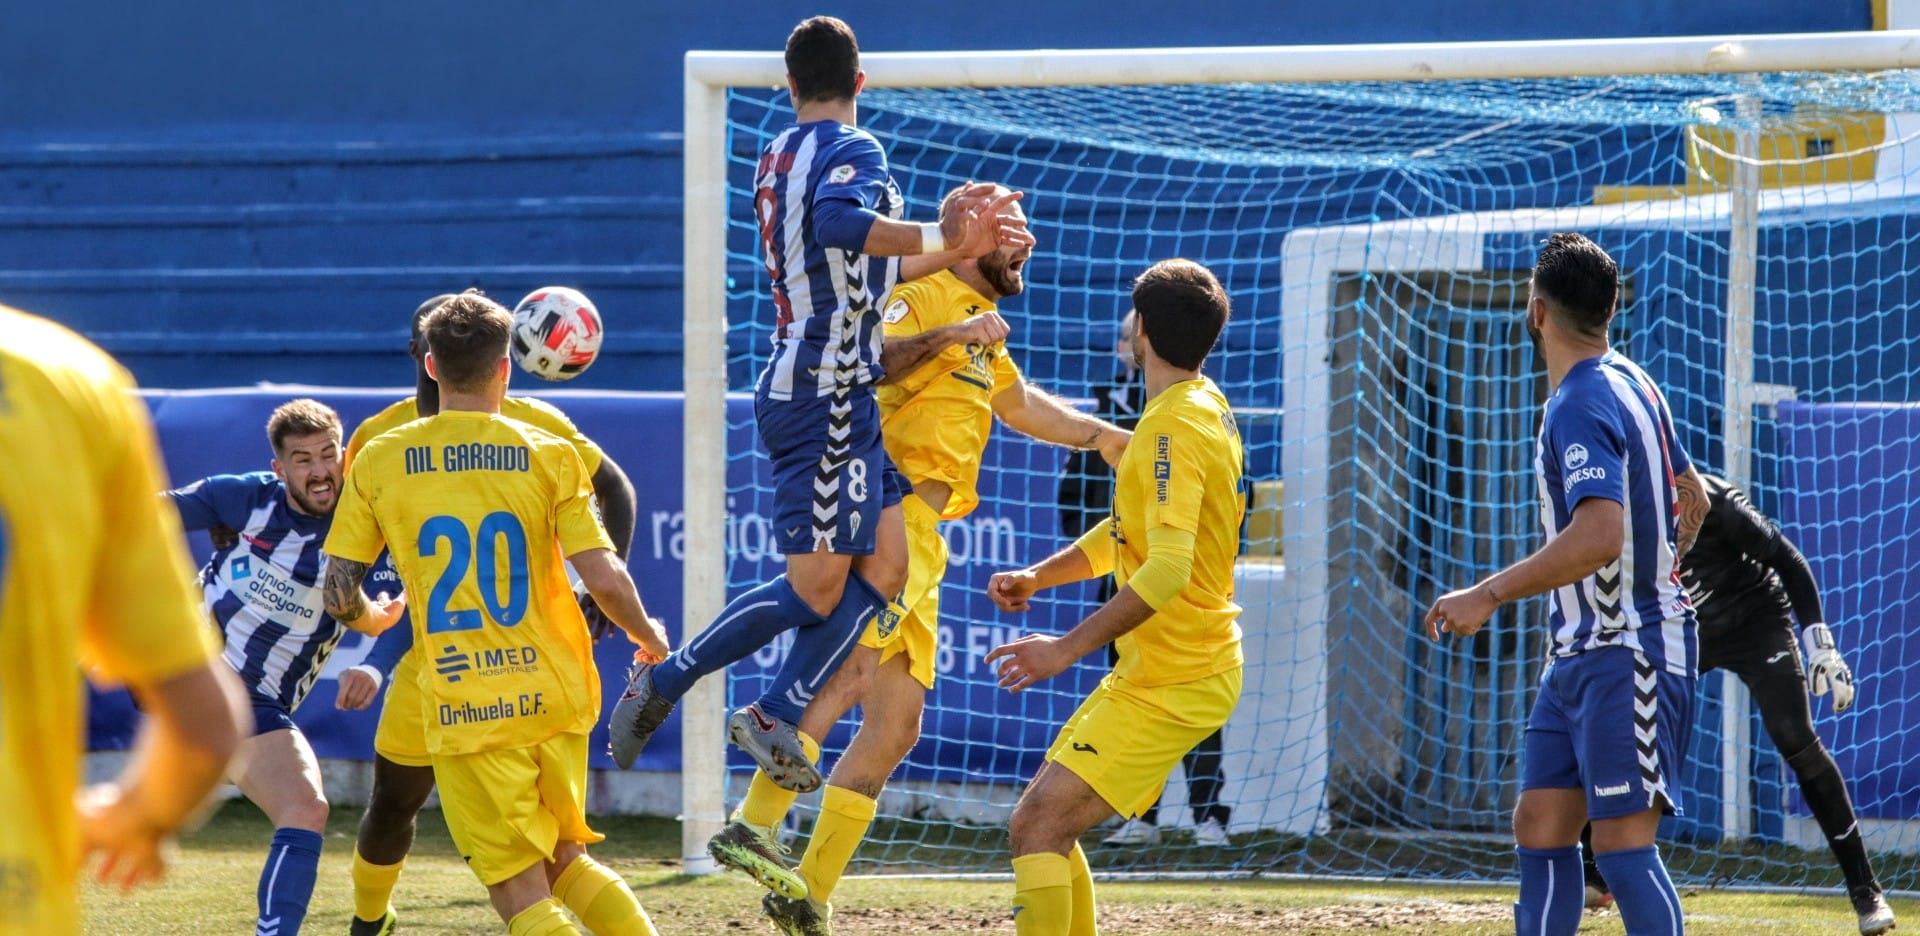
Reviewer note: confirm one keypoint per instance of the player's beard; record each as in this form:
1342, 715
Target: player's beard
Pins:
999, 273
307, 505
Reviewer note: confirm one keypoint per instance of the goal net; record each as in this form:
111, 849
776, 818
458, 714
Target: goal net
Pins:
1375, 237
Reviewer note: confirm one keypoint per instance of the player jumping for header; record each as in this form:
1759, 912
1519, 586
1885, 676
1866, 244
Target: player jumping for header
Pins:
948, 375
829, 224
1621, 504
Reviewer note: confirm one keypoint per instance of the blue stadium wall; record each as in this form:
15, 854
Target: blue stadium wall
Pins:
248, 192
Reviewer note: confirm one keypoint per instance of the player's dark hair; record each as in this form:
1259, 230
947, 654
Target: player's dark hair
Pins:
823, 60
467, 336
1182, 310
425, 309
299, 418
1579, 280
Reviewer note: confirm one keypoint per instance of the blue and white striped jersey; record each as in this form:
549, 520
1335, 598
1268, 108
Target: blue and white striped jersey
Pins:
1607, 433
827, 299
264, 591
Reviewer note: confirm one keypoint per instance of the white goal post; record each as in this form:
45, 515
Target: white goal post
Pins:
709, 74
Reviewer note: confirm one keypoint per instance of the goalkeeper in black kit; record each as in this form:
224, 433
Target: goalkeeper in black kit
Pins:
1748, 584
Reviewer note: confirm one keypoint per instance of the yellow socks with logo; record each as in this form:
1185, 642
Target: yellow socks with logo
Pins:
837, 834
1042, 895
602, 900
542, 919
767, 804
373, 887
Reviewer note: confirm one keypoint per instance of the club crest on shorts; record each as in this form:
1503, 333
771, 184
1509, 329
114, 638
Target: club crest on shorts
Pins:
887, 623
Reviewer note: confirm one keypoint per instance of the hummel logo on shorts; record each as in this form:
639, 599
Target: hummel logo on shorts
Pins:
1616, 790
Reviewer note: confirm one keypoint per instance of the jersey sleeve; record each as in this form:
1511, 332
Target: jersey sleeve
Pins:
355, 535
901, 317
145, 624
574, 523
1590, 448
221, 500
1006, 374
546, 416
851, 188
1179, 477
1755, 535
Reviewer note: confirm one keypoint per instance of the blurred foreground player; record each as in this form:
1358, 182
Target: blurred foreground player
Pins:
1621, 504
1170, 544
1748, 582
263, 590
402, 769
479, 511
829, 216
92, 571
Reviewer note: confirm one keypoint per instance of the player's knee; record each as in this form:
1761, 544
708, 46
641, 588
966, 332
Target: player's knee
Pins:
309, 813
821, 593
1035, 828
887, 573
1794, 738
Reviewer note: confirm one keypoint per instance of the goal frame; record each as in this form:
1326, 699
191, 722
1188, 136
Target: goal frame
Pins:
709, 74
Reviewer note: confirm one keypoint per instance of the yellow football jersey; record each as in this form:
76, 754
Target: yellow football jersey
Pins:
1182, 470
526, 409
935, 420
479, 512
93, 569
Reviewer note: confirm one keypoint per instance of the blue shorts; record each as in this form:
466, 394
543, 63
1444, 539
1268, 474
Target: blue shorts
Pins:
1611, 724
269, 715
823, 492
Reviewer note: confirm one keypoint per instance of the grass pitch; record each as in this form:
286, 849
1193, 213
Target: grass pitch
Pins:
211, 890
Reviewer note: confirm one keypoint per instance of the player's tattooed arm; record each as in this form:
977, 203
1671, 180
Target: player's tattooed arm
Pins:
904, 354
1691, 494
341, 589
1037, 414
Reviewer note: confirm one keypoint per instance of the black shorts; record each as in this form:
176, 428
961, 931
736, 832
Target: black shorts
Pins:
1764, 650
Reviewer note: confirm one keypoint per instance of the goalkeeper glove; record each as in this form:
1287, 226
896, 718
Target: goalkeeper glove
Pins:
1826, 671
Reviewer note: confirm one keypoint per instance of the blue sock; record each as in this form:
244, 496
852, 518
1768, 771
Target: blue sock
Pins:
1552, 892
749, 622
1641, 889
286, 882
819, 649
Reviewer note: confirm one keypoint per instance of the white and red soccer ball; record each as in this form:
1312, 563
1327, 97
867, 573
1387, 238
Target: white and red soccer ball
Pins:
556, 333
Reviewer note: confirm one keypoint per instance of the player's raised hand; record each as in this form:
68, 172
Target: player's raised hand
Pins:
1028, 660
975, 221
987, 328
1461, 613
1013, 591
359, 686
127, 848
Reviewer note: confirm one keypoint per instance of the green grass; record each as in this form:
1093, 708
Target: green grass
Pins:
212, 885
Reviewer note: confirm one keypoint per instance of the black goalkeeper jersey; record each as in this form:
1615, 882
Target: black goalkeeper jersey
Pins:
1743, 569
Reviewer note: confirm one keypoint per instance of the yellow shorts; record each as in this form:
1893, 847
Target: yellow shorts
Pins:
402, 735
912, 627
507, 809
1125, 739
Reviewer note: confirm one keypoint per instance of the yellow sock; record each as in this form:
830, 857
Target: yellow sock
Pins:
542, 919
1081, 878
842, 826
767, 804
1042, 895
602, 900
373, 887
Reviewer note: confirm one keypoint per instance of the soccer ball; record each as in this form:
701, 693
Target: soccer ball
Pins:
556, 333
